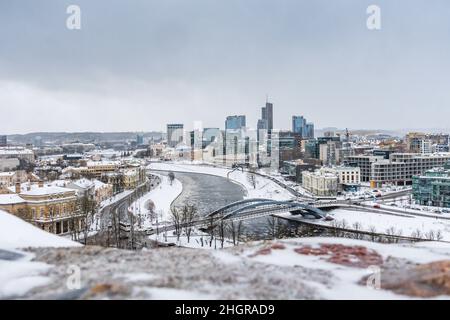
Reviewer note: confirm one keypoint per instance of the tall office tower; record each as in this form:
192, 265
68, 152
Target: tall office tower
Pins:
235, 122
268, 115
309, 130
3, 141
175, 134
299, 125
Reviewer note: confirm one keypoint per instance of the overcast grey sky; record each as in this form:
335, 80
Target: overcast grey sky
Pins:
136, 65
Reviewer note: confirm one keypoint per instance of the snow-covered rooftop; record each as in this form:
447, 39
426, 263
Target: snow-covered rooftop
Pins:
6, 199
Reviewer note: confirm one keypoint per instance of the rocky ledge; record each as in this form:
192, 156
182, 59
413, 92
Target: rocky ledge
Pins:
306, 268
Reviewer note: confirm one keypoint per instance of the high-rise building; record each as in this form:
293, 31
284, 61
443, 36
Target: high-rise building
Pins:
3, 141
235, 122
267, 114
175, 133
210, 135
139, 139
300, 126
309, 130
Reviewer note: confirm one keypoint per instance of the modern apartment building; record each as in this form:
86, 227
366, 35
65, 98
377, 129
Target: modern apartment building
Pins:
399, 169
433, 187
364, 163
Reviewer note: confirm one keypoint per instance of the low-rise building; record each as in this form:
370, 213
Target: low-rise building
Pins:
294, 169
8, 164
399, 169
8, 179
320, 183
51, 208
17, 153
133, 177
95, 169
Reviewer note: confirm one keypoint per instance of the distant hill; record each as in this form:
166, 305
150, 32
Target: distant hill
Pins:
85, 137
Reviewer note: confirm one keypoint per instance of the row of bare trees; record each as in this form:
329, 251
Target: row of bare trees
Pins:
392, 234
184, 220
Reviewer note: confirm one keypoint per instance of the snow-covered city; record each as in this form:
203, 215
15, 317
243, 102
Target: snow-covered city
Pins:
215, 152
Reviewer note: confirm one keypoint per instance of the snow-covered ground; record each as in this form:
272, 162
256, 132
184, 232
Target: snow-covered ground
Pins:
16, 233
345, 280
198, 240
162, 197
115, 198
18, 274
301, 268
263, 188
404, 225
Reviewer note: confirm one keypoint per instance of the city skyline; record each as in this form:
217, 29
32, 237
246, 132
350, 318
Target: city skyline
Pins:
179, 62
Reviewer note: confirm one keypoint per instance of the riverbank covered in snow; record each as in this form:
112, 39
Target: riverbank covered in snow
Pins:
155, 206
255, 186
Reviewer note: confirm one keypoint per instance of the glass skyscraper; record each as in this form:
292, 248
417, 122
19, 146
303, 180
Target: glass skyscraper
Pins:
235, 122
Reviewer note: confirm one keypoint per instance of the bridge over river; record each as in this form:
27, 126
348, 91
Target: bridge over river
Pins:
257, 208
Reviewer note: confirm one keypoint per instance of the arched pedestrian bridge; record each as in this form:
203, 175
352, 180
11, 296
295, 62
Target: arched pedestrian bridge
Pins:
254, 208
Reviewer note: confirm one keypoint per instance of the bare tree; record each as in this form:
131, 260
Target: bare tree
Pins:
430, 235
272, 227
177, 219
189, 214
171, 176
132, 222
373, 231
417, 234
211, 228
251, 177
222, 232
87, 210
236, 231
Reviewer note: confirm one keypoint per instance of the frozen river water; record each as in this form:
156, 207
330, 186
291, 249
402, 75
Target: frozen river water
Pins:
207, 192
